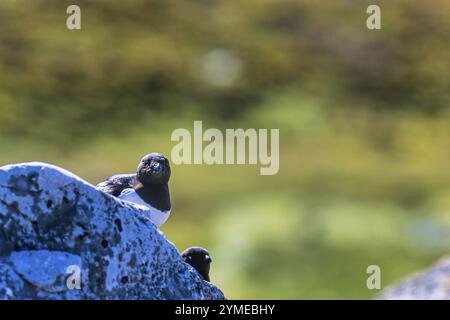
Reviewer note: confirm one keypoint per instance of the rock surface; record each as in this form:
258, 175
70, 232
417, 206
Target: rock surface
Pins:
433, 283
55, 227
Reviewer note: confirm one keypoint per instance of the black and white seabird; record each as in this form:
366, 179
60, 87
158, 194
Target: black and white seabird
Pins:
198, 258
148, 187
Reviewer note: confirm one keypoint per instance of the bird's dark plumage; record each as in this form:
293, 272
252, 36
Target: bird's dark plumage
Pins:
116, 184
198, 258
150, 182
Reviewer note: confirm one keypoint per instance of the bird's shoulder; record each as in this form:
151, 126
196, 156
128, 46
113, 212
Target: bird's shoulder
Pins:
122, 178
116, 184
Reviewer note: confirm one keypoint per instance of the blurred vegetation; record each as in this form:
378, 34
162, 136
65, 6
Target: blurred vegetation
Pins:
364, 120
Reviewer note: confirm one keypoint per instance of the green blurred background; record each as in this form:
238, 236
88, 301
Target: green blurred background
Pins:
363, 115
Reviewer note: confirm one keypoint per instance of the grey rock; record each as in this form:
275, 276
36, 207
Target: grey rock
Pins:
51, 221
431, 284
46, 270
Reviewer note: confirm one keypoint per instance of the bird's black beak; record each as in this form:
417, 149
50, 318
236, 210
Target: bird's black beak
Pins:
157, 168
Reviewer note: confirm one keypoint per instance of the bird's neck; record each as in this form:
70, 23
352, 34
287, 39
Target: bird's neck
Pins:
157, 195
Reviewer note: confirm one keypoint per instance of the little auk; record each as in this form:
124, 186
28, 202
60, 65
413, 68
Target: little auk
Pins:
198, 258
147, 187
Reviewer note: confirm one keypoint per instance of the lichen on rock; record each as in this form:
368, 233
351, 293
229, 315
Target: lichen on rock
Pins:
51, 219
431, 284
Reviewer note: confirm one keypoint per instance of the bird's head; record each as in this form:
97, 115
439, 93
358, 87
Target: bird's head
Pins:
154, 168
199, 258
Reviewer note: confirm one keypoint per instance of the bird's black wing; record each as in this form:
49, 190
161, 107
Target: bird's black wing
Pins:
116, 184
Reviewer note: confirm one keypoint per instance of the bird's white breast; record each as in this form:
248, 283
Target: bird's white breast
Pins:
157, 216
